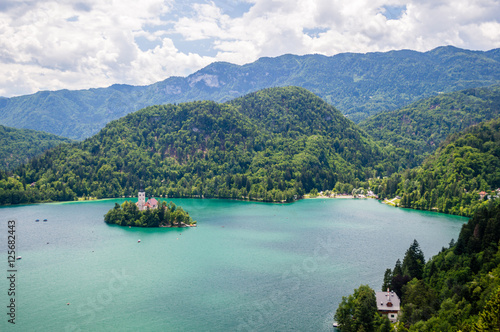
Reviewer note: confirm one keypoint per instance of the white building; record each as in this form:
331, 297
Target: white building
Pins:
388, 304
141, 201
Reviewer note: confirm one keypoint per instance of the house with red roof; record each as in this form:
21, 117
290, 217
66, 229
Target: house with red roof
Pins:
153, 203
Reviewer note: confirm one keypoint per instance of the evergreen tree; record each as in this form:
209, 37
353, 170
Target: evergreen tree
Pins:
384, 325
387, 280
420, 302
414, 261
398, 269
366, 309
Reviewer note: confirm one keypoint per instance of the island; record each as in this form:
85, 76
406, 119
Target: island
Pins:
148, 214
166, 215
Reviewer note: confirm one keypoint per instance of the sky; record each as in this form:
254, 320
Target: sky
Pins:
66, 44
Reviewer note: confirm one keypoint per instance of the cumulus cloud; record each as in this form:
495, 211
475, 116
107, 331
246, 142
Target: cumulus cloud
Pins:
67, 44
49, 44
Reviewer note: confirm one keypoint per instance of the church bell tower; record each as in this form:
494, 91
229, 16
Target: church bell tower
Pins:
141, 202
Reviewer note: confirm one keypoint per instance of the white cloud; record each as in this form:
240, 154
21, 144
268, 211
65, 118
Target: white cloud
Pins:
49, 44
68, 44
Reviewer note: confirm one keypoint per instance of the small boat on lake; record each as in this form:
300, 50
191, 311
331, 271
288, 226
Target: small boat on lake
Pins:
44, 219
37, 220
18, 257
139, 241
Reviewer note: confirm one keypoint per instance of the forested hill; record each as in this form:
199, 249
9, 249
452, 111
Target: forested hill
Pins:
460, 288
293, 111
17, 146
457, 290
451, 179
422, 126
358, 84
270, 145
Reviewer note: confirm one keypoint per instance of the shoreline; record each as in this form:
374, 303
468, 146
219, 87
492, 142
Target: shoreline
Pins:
337, 197
174, 226
246, 199
386, 202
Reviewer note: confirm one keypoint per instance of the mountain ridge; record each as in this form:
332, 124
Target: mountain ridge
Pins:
358, 85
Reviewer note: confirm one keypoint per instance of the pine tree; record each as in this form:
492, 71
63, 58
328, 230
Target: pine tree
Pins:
414, 261
398, 270
387, 280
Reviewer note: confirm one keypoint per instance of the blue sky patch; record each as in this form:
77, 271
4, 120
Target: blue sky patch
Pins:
234, 8
314, 32
203, 47
393, 12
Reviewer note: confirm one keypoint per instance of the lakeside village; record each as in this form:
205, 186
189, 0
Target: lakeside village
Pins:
356, 193
396, 201
150, 213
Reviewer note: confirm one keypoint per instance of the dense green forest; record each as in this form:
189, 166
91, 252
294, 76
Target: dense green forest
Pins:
274, 145
422, 126
166, 215
451, 179
457, 290
17, 146
359, 85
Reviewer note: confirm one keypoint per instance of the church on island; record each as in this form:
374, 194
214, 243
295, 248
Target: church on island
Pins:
142, 204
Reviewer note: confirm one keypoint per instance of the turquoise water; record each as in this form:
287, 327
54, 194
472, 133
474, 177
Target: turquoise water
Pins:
246, 267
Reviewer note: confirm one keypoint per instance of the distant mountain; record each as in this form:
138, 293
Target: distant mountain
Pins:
17, 146
270, 145
452, 178
360, 85
423, 125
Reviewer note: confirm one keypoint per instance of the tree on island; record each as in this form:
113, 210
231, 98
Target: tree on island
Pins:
167, 215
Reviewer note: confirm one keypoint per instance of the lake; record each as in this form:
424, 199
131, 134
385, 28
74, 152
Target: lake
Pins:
248, 266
